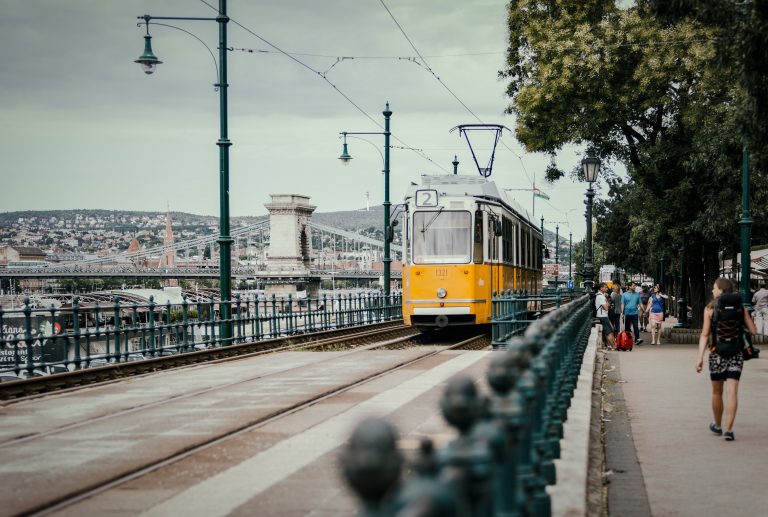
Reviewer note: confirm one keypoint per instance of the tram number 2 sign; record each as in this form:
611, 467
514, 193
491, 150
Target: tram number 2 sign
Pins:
427, 197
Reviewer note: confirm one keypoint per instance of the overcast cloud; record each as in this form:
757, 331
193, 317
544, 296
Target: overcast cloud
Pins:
81, 126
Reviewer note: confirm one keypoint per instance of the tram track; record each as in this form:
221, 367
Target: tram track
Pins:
352, 343
53, 506
25, 389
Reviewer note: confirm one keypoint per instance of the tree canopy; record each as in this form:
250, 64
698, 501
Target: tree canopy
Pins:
648, 86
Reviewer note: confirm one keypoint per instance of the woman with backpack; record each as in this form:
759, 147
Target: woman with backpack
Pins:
725, 319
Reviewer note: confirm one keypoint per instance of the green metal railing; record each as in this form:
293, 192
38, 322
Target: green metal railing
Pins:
80, 336
513, 311
503, 458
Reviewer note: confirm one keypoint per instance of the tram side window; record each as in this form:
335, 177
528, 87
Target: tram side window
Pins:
524, 248
442, 237
478, 247
507, 243
493, 239
529, 256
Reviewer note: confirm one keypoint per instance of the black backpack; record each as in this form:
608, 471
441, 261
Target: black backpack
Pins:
727, 325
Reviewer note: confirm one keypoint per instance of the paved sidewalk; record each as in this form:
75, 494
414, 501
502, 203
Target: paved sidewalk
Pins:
687, 470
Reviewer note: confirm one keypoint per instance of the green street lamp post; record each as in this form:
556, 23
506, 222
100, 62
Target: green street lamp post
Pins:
149, 61
591, 166
682, 305
345, 157
570, 259
557, 255
745, 225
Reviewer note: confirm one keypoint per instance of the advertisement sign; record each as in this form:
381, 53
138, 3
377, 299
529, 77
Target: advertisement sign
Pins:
46, 341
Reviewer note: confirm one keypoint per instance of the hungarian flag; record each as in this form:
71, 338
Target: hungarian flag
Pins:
539, 193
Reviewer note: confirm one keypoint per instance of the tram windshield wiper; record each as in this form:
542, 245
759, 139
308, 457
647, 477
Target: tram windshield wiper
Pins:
425, 227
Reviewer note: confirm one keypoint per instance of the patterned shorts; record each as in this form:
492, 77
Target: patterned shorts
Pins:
722, 368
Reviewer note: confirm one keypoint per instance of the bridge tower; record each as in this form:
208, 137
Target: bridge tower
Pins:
290, 246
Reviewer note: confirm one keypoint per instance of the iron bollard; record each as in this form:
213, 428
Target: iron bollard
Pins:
372, 464
424, 495
506, 410
467, 460
532, 492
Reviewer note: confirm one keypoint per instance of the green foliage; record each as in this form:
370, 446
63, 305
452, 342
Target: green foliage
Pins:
659, 87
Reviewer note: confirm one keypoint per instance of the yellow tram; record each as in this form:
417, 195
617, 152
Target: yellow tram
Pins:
463, 238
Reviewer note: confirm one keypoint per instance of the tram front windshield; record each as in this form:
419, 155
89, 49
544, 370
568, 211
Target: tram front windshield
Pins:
442, 237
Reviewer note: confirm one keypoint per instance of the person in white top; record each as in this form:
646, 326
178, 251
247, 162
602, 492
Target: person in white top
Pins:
760, 305
601, 309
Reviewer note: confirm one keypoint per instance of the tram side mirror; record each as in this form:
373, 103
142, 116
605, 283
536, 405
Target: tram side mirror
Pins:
391, 231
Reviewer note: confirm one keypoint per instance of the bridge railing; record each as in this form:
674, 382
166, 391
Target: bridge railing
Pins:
513, 311
37, 341
503, 456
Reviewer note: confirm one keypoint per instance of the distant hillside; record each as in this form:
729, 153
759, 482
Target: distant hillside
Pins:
347, 220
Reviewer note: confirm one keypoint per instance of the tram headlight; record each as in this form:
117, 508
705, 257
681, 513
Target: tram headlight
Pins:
441, 292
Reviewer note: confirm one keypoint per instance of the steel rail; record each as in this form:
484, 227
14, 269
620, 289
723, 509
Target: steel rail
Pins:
83, 494
11, 391
346, 341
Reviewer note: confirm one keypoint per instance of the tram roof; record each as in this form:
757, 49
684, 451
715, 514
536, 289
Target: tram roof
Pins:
464, 185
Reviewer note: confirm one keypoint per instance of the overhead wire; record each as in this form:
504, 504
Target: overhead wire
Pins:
336, 88
538, 48
429, 69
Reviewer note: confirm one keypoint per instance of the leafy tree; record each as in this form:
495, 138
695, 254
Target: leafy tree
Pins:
644, 92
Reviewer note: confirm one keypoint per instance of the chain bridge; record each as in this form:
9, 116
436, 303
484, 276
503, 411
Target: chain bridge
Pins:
314, 250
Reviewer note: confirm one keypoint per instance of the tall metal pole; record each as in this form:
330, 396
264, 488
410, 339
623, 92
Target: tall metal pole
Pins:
387, 260
225, 241
557, 255
570, 258
746, 230
682, 304
589, 273
661, 274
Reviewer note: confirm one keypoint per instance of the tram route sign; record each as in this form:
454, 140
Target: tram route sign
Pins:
426, 197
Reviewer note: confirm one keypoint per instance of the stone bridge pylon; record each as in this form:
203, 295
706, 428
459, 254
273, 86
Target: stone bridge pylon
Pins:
290, 244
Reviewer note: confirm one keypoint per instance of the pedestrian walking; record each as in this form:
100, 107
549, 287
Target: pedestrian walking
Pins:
644, 309
760, 305
725, 321
614, 308
630, 302
601, 310
656, 314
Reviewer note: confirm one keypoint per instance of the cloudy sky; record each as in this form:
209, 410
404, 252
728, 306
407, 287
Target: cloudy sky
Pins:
81, 126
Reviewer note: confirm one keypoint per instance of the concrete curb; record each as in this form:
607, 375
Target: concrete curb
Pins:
569, 495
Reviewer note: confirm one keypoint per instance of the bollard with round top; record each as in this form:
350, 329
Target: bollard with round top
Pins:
506, 410
372, 464
467, 460
424, 495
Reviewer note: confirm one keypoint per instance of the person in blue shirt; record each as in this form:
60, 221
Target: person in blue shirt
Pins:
630, 301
